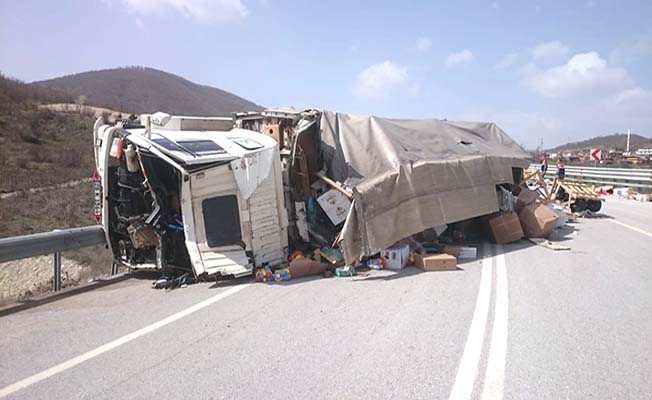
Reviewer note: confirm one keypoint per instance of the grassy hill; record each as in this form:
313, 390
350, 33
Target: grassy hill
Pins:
142, 90
40, 146
616, 140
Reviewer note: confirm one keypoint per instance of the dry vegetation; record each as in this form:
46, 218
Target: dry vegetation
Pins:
66, 207
44, 211
614, 141
39, 146
61, 208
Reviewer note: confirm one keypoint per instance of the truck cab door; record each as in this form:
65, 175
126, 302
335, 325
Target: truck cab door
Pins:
219, 217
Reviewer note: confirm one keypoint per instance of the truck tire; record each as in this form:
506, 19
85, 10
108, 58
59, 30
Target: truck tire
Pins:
579, 205
594, 205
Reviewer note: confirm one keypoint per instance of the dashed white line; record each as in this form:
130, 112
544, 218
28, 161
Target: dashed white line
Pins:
494, 380
468, 368
630, 227
14, 387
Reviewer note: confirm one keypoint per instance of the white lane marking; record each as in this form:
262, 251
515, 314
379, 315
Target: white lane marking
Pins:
630, 227
14, 387
468, 368
494, 380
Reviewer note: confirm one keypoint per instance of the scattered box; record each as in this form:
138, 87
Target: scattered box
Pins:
505, 227
335, 204
435, 262
272, 130
396, 257
467, 253
537, 220
525, 198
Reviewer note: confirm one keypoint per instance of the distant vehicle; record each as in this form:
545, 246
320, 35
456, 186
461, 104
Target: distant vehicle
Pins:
190, 193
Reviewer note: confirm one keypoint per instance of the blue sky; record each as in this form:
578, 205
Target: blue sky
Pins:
556, 70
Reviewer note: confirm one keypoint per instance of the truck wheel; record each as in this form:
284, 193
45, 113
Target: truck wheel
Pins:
579, 205
562, 195
594, 205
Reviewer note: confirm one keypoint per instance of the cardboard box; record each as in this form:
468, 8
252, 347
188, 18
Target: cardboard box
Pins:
335, 204
272, 130
525, 198
505, 227
537, 220
468, 253
435, 262
465, 253
396, 257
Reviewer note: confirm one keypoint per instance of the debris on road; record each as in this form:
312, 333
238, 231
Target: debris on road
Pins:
575, 196
436, 262
548, 244
172, 282
537, 220
345, 271
506, 227
396, 257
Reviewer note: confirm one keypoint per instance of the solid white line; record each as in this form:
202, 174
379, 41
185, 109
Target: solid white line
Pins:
14, 387
630, 227
494, 380
468, 368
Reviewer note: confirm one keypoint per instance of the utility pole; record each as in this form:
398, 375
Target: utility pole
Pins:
628, 133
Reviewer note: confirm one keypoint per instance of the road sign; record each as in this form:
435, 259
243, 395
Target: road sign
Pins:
596, 154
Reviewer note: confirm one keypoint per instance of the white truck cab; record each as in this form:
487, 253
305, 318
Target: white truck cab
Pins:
190, 193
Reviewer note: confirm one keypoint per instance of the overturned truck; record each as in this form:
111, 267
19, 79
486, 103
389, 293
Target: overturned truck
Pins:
220, 196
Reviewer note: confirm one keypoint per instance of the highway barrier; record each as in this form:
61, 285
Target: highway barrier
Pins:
620, 177
18, 247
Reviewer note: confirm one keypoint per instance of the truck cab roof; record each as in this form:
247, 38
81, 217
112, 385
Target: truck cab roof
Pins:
200, 144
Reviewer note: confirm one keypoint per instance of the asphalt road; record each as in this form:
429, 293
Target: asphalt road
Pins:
521, 322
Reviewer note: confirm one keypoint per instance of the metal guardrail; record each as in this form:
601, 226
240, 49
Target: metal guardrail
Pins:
635, 178
18, 247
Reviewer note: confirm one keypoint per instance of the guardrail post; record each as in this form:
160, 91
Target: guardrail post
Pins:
57, 272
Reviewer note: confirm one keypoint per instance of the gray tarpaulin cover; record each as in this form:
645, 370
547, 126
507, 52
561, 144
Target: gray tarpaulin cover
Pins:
408, 175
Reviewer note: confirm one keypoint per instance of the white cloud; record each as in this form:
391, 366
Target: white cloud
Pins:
139, 23
633, 96
383, 79
639, 48
627, 109
423, 44
509, 60
549, 52
461, 57
584, 72
200, 10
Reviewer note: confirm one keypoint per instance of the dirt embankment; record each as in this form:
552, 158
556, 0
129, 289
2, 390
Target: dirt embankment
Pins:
59, 207
23, 279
